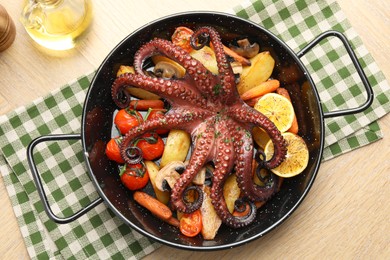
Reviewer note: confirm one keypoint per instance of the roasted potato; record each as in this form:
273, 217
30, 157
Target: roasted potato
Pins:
153, 170
261, 69
176, 147
231, 192
210, 219
207, 57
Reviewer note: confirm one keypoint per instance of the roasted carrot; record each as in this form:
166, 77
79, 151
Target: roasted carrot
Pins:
156, 207
252, 102
259, 203
173, 222
294, 127
261, 89
242, 213
145, 104
245, 212
244, 61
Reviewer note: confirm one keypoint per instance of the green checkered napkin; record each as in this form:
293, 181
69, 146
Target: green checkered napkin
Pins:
100, 234
297, 22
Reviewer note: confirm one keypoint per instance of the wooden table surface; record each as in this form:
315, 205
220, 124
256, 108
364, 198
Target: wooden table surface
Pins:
345, 215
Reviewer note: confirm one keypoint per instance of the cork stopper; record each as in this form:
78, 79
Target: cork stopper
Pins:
7, 29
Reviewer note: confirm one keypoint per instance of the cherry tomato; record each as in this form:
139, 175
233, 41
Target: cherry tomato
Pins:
157, 113
126, 119
181, 37
113, 151
151, 145
134, 176
191, 223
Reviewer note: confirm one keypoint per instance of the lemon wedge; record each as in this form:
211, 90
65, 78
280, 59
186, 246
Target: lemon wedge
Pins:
297, 156
278, 109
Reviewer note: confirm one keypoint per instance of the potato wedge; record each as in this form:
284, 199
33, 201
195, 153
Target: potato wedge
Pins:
176, 147
153, 169
207, 57
231, 192
210, 219
125, 69
261, 69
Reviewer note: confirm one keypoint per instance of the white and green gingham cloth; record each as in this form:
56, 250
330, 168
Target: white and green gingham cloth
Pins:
100, 234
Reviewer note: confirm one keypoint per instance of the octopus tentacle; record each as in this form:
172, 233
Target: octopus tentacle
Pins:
170, 90
223, 167
246, 114
208, 107
243, 146
174, 120
200, 156
228, 91
195, 70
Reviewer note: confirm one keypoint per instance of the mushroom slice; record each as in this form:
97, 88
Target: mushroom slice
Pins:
169, 174
245, 48
166, 69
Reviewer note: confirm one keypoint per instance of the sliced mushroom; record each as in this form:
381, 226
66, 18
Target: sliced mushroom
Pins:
245, 48
169, 174
165, 69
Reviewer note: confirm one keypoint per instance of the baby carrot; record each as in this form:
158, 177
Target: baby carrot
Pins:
236, 57
261, 89
252, 102
145, 104
156, 207
244, 61
294, 127
173, 222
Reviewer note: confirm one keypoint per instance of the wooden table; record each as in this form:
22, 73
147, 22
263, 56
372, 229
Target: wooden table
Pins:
345, 215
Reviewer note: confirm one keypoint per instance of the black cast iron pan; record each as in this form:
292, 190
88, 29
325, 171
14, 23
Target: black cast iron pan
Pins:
97, 124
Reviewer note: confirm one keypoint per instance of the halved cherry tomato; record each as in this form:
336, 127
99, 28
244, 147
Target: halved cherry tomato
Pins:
191, 223
134, 176
157, 113
126, 119
113, 151
181, 37
151, 145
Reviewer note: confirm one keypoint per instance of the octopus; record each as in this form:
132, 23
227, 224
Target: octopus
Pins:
209, 108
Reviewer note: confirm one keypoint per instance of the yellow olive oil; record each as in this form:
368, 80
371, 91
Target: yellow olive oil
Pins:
57, 24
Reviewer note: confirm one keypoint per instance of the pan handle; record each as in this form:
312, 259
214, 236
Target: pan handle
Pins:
358, 67
38, 181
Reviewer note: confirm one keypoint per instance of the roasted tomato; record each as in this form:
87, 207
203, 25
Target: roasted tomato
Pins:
157, 113
113, 151
134, 176
191, 223
126, 119
182, 36
151, 145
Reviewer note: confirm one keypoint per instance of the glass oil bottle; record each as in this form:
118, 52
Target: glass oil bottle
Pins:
57, 24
